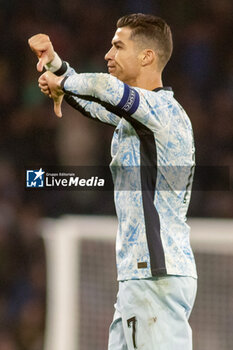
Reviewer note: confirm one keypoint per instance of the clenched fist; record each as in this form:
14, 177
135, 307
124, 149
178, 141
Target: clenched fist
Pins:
41, 45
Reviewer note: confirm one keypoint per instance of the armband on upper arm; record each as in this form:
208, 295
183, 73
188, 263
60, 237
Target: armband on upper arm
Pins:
130, 100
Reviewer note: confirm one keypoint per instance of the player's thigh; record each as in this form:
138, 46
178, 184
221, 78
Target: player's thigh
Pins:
116, 339
155, 313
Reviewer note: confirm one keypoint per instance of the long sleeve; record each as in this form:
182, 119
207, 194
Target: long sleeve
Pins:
107, 99
93, 110
115, 96
87, 107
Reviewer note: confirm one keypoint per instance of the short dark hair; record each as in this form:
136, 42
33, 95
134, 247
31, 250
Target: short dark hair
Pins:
151, 29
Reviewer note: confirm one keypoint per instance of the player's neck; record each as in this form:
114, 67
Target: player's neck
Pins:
148, 81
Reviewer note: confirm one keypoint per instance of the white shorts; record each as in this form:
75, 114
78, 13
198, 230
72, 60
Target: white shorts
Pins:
152, 314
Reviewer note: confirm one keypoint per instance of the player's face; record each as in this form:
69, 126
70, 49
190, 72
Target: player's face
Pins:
123, 57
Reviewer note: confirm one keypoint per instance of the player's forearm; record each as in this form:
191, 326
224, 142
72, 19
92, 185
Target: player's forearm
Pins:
85, 106
98, 86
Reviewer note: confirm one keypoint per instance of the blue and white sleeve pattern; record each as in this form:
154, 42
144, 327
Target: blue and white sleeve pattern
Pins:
105, 90
93, 110
131, 103
88, 108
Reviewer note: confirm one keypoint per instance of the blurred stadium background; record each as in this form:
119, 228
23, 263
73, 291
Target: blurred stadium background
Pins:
201, 74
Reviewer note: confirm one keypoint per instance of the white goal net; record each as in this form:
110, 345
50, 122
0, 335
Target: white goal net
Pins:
82, 287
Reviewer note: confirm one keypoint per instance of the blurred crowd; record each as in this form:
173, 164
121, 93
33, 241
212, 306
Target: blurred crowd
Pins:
201, 74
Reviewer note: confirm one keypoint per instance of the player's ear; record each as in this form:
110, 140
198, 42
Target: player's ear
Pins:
148, 57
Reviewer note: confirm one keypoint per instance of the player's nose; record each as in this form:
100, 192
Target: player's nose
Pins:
109, 55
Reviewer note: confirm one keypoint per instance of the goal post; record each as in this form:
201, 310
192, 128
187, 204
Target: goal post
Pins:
82, 286
63, 238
